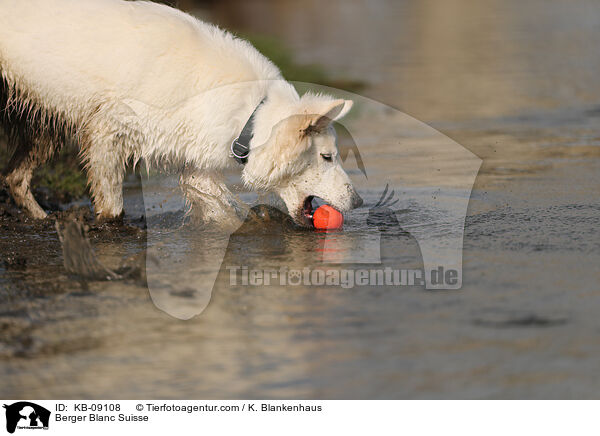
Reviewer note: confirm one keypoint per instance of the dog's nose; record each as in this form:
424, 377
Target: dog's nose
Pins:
355, 199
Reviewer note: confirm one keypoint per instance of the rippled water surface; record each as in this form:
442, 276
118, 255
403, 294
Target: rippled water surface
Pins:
516, 83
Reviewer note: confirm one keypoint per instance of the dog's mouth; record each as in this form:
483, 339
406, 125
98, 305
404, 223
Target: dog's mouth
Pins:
306, 212
304, 216
307, 207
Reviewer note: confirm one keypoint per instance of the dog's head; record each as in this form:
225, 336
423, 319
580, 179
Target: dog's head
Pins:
298, 157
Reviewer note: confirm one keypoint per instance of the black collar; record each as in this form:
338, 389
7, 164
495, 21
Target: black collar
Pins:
240, 147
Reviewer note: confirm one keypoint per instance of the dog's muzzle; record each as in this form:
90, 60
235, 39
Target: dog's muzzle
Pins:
355, 199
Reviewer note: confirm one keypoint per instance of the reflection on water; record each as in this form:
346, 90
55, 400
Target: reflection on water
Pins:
515, 83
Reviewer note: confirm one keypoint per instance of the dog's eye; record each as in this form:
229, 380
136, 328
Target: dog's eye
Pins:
326, 156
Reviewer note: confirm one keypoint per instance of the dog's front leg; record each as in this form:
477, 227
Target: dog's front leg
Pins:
209, 199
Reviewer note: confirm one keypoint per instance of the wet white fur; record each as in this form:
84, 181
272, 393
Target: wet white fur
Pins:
143, 81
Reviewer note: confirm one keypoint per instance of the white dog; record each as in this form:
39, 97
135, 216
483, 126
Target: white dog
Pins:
138, 80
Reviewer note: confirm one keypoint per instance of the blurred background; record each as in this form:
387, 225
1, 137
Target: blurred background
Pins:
436, 60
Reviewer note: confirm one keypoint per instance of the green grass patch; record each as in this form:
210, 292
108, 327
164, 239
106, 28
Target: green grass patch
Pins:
281, 56
63, 176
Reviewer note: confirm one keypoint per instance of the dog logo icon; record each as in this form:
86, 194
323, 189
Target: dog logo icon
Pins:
26, 415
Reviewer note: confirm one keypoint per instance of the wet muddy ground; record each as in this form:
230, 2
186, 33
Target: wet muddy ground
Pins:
524, 324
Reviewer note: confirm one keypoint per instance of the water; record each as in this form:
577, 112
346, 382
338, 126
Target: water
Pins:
514, 83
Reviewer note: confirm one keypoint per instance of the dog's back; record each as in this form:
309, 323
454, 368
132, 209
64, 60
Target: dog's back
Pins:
74, 52
70, 68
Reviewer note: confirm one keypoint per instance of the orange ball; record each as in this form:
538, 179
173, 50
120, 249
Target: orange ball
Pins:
327, 218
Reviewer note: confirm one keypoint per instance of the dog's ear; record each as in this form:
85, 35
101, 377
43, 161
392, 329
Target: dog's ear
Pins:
331, 111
